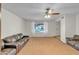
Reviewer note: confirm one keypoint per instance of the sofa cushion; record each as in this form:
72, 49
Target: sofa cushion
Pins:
76, 37
71, 43
77, 45
9, 39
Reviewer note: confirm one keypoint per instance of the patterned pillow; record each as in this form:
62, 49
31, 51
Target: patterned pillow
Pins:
20, 36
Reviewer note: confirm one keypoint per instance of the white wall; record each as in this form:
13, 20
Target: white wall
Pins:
77, 24
52, 29
11, 24
70, 21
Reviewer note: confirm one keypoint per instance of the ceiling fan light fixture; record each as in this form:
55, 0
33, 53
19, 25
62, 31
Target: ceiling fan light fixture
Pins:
49, 12
47, 16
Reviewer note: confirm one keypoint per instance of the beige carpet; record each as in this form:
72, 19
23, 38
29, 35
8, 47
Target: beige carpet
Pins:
47, 46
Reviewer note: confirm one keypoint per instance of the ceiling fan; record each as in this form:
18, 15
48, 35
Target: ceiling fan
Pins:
49, 12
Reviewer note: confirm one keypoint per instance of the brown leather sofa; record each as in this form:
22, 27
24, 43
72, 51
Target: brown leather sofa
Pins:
74, 41
13, 44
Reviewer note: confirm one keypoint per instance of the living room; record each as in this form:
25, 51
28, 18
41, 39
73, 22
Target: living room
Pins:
34, 22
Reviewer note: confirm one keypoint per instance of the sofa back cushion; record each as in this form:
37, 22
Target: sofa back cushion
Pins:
13, 38
9, 39
76, 37
16, 37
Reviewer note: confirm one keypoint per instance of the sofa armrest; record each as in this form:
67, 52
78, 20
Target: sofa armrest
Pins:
25, 36
8, 51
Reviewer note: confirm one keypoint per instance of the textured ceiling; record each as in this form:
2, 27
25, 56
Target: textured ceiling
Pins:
35, 11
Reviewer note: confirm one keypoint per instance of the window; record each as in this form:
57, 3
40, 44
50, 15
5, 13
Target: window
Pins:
40, 27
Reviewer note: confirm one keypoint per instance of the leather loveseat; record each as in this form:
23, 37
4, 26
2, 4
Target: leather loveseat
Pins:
13, 44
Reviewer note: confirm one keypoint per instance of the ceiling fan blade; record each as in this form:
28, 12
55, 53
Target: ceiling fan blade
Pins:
54, 13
